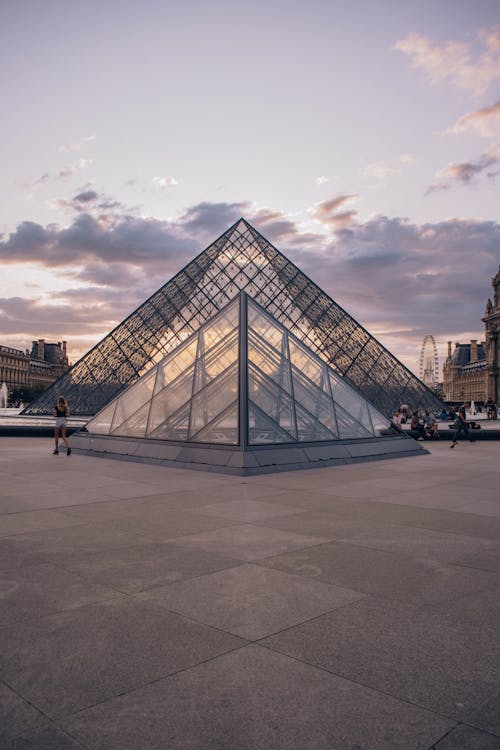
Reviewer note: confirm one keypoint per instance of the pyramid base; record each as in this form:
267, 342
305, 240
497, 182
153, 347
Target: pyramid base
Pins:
262, 459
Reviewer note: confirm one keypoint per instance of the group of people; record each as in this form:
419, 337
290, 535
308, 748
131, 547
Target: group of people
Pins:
427, 426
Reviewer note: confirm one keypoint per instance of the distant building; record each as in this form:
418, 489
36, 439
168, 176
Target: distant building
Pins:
471, 371
464, 373
36, 369
492, 327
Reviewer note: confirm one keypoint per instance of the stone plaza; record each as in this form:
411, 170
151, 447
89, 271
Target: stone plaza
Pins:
350, 607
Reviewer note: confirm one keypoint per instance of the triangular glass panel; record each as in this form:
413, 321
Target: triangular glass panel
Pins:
223, 429
381, 425
211, 401
175, 427
270, 361
314, 400
352, 403
135, 397
135, 425
310, 429
176, 364
262, 429
348, 427
170, 399
212, 363
101, 423
272, 400
309, 365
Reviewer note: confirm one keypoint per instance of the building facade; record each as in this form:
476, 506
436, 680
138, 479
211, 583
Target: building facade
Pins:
36, 369
471, 371
492, 328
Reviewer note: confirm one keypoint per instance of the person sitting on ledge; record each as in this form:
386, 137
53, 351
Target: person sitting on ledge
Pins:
417, 426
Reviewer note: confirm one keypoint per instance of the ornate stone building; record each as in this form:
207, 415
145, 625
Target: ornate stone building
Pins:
492, 327
36, 369
471, 371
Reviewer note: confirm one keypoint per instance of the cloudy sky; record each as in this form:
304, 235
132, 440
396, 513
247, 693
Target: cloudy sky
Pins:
361, 138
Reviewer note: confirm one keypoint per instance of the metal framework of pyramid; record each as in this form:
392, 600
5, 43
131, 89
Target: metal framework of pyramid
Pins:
240, 260
252, 393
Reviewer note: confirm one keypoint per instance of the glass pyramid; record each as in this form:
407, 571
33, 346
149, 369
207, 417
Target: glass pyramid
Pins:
240, 260
242, 379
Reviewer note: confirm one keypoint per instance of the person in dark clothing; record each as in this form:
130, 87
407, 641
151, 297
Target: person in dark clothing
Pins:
417, 426
461, 426
61, 413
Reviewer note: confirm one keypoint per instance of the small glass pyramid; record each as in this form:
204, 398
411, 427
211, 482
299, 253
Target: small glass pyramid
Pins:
242, 379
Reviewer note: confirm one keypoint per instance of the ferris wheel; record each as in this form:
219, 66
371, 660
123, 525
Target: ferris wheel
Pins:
429, 361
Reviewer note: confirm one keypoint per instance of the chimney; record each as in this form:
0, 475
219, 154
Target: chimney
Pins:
449, 348
41, 349
64, 348
473, 350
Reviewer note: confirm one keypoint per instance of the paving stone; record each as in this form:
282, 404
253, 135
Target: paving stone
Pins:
160, 524
36, 520
251, 602
50, 738
17, 716
77, 658
56, 545
246, 510
467, 738
137, 568
248, 542
253, 698
400, 650
422, 543
487, 716
387, 574
487, 559
453, 522
37, 590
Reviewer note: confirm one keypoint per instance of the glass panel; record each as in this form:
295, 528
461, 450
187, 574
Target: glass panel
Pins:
223, 429
221, 327
101, 423
271, 400
134, 426
219, 358
264, 326
348, 427
133, 398
314, 400
269, 361
170, 399
175, 364
309, 429
350, 401
174, 428
262, 429
210, 402
381, 425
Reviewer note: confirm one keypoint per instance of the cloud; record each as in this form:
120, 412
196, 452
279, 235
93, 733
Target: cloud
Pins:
62, 174
322, 180
380, 170
485, 121
164, 182
328, 213
394, 276
77, 145
455, 62
465, 172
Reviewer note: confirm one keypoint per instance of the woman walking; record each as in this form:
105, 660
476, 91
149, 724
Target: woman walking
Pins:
61, 413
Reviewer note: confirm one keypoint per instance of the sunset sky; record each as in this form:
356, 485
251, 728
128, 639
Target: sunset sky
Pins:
361, 138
